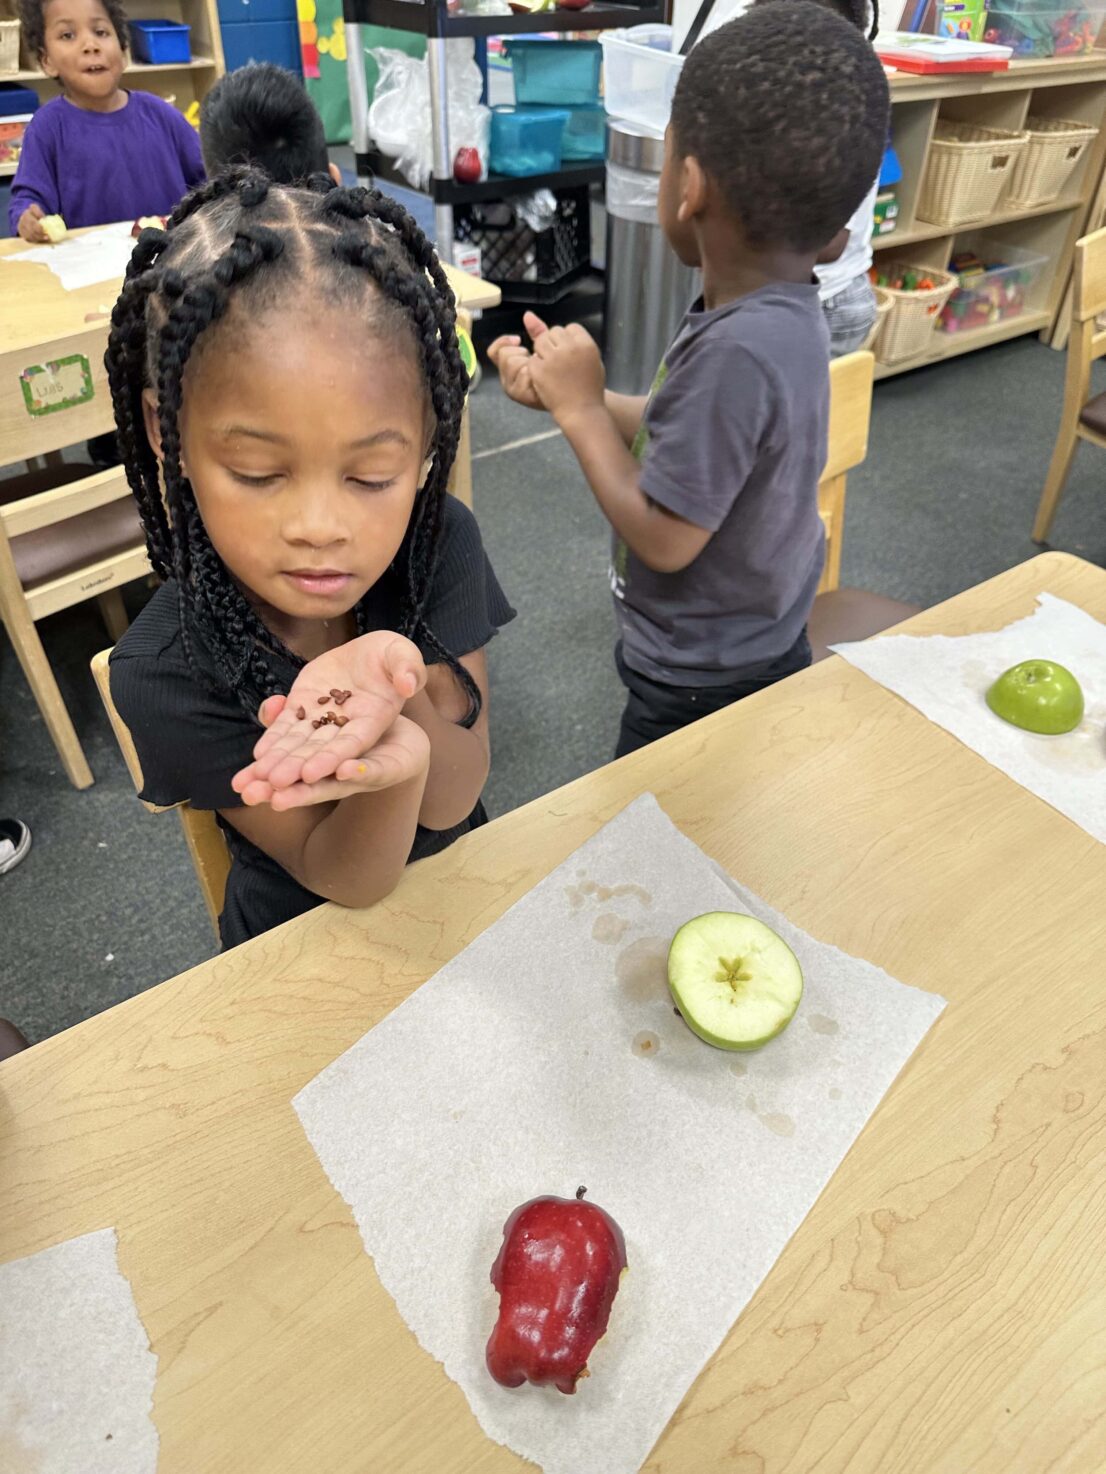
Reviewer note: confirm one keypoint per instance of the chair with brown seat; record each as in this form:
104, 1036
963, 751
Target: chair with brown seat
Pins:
1082, 417
206, 845
11, 1040
67, 533
846, 614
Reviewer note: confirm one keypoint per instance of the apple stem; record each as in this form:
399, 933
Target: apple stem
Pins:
580, 1191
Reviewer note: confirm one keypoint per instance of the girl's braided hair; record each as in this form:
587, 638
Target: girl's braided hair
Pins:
242, 238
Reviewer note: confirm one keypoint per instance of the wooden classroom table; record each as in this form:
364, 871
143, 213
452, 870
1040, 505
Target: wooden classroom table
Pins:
40, 320
939, 1311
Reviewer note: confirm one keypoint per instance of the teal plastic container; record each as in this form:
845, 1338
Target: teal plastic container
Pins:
556, 73
585, 135
526, 140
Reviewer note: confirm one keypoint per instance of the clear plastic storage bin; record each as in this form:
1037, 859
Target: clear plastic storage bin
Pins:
556, 73
640, 75
526, 140
1003, 290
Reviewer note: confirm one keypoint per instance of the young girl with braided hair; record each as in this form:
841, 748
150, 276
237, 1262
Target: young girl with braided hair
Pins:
288, 395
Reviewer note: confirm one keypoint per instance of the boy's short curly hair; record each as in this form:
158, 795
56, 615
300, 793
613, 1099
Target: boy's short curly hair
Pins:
786, 108
32, 14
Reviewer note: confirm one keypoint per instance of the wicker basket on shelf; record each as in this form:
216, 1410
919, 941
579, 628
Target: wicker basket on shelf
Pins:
906, 327
969, 167
884, 303
9, 46
1043, 168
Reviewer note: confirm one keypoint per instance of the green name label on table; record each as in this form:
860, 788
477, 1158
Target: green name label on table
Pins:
62, 384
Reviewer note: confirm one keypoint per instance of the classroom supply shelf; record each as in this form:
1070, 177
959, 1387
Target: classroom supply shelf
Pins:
431, 18
1071, 89
179, 82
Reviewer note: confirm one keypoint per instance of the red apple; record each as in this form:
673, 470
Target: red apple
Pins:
467, 167
557, 1273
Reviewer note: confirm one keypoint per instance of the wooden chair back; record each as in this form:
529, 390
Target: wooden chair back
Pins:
850, 416
87, 553
206, 845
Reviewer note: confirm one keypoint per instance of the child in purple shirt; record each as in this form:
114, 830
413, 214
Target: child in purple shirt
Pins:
96, 154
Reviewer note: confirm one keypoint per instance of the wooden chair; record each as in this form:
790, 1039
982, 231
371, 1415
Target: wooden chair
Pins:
67, 533
846, 614
1082, 417
460, 477
206, 845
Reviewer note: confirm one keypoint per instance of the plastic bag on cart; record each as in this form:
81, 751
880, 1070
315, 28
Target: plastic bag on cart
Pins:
399, 118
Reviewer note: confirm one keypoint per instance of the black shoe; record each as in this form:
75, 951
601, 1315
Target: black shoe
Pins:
15, 841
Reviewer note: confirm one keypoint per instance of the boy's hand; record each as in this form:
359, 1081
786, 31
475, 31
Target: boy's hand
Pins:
380, 672
566, 370
29, 226
513, 362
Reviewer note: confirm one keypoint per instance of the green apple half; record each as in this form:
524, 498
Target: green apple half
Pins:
735, 981
1038, 696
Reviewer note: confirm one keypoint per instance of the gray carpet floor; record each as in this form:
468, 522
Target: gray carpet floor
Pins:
107, 905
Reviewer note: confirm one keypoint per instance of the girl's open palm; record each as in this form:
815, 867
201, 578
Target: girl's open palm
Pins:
373, 676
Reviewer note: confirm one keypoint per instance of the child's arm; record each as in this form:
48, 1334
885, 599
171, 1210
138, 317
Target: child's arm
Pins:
567, 374
513, 362
426, 768
627, 411
460, 757
35, 190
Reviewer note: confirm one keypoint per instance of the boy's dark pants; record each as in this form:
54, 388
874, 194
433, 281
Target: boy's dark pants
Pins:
653, 710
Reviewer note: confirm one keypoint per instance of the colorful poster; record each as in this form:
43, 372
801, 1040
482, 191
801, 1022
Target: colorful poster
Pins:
323, 45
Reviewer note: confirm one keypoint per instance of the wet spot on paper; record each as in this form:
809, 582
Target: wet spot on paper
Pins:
609, 927
645, 1044
819, 1023
642, 969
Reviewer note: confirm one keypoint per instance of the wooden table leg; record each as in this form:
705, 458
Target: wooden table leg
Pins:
460, 480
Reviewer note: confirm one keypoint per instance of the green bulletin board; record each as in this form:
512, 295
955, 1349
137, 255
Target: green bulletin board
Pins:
323, 45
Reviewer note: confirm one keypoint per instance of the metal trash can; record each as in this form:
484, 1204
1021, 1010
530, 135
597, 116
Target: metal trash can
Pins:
648, 288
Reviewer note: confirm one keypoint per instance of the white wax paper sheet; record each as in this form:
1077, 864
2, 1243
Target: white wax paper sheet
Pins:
548, 1055
76, 1370
946, 677
82, 260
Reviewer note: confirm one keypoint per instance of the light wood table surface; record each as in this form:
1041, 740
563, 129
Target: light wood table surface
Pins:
40, 320
940, 1310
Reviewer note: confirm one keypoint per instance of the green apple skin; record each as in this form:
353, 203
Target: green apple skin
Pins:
703, 944
1038, 696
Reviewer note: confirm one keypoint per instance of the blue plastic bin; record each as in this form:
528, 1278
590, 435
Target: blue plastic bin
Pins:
585, 135
160, 42
526, 140
15, 101
557, 73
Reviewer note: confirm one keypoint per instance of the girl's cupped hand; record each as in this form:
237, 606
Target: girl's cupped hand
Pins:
367, 745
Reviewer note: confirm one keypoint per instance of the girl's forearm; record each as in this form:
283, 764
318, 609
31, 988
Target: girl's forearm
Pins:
459, 762
356, 855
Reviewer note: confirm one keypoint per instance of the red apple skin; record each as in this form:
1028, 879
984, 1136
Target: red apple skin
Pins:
557, 1273
573, 4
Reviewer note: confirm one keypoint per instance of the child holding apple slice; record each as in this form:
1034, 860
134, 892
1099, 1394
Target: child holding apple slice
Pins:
710, 485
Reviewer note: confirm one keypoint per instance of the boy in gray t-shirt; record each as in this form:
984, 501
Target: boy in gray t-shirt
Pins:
778, 125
